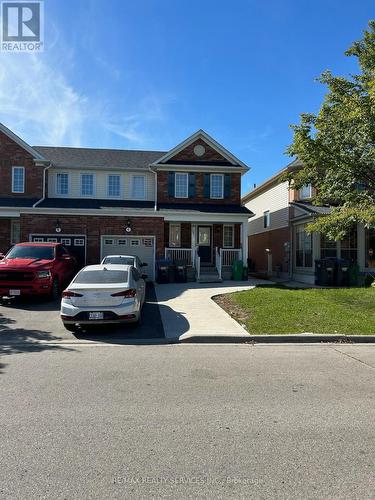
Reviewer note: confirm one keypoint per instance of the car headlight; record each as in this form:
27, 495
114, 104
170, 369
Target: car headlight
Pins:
44, 274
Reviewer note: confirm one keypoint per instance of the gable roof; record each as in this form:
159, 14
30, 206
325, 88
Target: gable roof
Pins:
201, 134
312, 209
295, 164
67, 157
35, 154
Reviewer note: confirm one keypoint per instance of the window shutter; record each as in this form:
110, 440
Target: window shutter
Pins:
171, 184
206, 187
191, 185
227, 180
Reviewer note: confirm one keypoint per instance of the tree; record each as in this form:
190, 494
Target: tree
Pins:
337, 146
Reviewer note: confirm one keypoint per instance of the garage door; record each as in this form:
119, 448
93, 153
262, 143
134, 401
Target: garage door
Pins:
75, 243
142, 246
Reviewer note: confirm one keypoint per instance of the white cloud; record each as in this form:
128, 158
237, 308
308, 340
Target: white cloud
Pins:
38, 103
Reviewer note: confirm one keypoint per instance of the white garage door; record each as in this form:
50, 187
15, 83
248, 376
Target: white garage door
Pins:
142, 246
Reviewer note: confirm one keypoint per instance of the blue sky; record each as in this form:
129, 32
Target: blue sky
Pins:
145, 74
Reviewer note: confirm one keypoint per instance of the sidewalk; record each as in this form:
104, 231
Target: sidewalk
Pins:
188, 311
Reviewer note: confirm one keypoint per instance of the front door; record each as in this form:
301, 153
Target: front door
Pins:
204, 244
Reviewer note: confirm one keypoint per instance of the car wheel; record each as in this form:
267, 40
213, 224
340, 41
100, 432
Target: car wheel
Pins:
55, 291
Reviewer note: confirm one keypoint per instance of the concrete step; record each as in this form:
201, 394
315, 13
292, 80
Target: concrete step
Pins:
209, 278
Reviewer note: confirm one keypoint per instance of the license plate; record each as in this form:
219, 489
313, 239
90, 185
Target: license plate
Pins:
14, 292
96, 315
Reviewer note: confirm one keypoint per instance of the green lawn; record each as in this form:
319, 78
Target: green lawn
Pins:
276, 309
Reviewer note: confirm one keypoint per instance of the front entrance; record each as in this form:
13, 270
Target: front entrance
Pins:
205, 244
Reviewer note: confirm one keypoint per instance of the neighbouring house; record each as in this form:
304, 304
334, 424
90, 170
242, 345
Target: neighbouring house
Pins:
278, 243
183, 204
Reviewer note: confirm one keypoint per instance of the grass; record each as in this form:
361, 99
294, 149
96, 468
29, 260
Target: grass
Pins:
278, 310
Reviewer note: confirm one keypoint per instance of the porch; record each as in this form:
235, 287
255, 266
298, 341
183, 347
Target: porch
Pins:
207, 249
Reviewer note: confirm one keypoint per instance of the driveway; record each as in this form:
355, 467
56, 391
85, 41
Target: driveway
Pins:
32, 321
188, 311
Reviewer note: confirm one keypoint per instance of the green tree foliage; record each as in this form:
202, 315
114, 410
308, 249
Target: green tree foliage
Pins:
337, 146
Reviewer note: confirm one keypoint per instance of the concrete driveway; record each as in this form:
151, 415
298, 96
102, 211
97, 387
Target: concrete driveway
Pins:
188, 311
32, 321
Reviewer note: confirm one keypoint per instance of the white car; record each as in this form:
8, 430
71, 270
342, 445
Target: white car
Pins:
99, 294
129, 260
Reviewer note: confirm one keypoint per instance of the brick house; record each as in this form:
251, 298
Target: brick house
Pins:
278, 242
184, 204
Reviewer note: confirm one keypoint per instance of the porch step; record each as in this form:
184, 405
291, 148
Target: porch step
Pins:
209, 278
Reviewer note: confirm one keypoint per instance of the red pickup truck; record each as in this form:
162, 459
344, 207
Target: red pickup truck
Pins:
36, 269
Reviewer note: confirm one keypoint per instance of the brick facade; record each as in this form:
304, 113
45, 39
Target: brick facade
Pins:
274, 240
94, 227
5, 228
11, 154
234, 199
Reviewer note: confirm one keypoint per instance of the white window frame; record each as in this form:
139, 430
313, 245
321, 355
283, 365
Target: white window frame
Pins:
14, 240
144, 187
79, 242
57, 184
22, 169
268, 212
186, 176
66, 242
222, 187
119, 192
302, 196
169, 237
224, 245
93, 185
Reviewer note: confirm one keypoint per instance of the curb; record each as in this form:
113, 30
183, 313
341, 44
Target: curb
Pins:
283, 339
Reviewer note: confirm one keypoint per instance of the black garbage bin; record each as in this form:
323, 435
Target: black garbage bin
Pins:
180, 272
325, 272
164, 271
342, 272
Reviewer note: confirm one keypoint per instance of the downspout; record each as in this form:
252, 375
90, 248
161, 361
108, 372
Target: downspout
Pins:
44, 185
155, 189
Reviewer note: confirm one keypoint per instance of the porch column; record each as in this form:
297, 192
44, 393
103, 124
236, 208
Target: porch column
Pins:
244, 241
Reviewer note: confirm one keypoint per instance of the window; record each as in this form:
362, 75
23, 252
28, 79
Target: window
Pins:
370, 248
266, 219
15, 236
18, 179
217, 186
181, 185
113, 186
147, 242
303, 247
134, 243
62, 184
328, 248
66, 241
122, 242
139, 187
79, 242
52, 240
174, 235
99, 276
349, 245
305, 192
37, 239
108, 242
87, 184
228, 237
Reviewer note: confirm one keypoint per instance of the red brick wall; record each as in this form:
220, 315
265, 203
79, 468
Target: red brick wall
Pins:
94, 227
187, 155
234, 199
274, 240
4, 235
11, 154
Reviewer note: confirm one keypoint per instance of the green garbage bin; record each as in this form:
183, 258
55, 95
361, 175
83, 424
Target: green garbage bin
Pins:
237, 270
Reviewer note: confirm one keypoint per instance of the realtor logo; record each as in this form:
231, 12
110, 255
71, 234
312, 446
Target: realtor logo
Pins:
22, 26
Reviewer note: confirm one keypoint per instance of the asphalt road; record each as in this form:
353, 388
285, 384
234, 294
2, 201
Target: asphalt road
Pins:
188, 421
29, 321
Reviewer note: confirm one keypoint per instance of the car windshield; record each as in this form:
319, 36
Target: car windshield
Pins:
129, 261
31, 252
101, 276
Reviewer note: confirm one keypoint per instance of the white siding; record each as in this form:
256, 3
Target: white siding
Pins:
101, 183
276, 200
